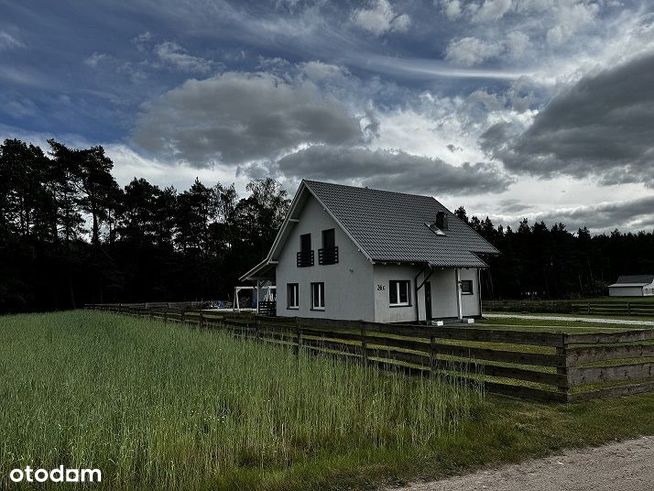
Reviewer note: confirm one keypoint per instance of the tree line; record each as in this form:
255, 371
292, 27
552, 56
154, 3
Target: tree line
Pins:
553, 263
70, 235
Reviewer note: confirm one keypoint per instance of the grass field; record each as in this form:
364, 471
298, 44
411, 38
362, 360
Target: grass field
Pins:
165, 406
152, 403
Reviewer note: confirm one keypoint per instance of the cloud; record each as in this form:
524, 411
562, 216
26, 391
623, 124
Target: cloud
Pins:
239, 117
634, 214
470, 51
602, 126
570, 18
317, 71
388, 169
7, 41
451, 8
380, 18
492, 10
95, 59
174, 56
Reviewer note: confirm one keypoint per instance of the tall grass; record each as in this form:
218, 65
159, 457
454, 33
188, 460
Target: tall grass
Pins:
166, 406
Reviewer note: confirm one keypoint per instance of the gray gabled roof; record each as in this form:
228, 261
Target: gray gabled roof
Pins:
634, 280
387, 227
390, 227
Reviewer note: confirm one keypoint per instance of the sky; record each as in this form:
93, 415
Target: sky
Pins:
538, 109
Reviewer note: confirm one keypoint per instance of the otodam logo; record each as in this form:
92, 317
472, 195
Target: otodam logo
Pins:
58, 474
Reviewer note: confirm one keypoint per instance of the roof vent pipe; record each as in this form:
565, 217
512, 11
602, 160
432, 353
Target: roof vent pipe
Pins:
441, 220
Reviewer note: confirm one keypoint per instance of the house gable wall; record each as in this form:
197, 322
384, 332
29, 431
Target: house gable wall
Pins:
348, 284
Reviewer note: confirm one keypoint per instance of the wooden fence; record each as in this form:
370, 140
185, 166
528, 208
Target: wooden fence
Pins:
527, 364
596, 307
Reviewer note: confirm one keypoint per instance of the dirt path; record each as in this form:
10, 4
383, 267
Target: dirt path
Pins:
594, 320
627, 466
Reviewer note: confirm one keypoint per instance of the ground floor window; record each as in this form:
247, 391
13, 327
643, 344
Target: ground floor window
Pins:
398, 293
466, 287
318, 296
293, 296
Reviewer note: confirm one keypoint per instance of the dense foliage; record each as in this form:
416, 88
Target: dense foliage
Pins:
70, 235
541, 262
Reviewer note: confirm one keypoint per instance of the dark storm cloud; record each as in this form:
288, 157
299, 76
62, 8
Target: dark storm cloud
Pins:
237, 117
635, 214
514, 206
603, 126
395, 170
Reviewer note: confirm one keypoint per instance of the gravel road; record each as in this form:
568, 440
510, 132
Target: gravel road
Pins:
624, 466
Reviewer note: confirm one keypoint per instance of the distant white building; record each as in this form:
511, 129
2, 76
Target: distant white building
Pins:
354, 253
633, 286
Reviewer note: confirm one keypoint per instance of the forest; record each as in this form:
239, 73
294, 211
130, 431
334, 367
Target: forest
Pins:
70, 235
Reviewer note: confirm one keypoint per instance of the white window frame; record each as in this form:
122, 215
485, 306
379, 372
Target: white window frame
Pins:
396, 284
315, 302
472, 287
293, 296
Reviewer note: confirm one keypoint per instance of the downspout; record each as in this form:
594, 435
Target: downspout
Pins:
459, 302
416, 288
481, 312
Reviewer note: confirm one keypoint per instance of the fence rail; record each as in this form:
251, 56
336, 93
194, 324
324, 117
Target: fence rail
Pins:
617, 308
534, 365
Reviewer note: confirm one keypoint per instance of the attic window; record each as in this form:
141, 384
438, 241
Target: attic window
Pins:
434, 228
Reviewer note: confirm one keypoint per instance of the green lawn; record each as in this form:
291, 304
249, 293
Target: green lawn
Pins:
165, 406
557, 325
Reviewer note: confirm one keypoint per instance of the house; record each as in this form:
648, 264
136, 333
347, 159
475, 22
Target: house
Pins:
641, 285
355, 253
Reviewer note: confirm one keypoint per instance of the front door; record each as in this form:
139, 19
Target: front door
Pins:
428, 300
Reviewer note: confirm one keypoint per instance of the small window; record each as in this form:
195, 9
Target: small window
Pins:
317, 296
466, 287
293, 296
398, 293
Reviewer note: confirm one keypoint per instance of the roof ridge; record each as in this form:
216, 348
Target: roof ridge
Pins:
309, 181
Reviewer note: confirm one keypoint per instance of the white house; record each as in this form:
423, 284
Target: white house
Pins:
641, 285
354, 253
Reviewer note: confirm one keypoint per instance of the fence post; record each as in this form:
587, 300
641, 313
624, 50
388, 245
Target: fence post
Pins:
432, 357
165, 317
588, 308
364, 344
201, 320
182, 316
628, 308
562, 367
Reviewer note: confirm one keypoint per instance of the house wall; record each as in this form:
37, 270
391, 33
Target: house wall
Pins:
633, 291
471, 302
443, 293
383, 274
443, 288
348, 284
